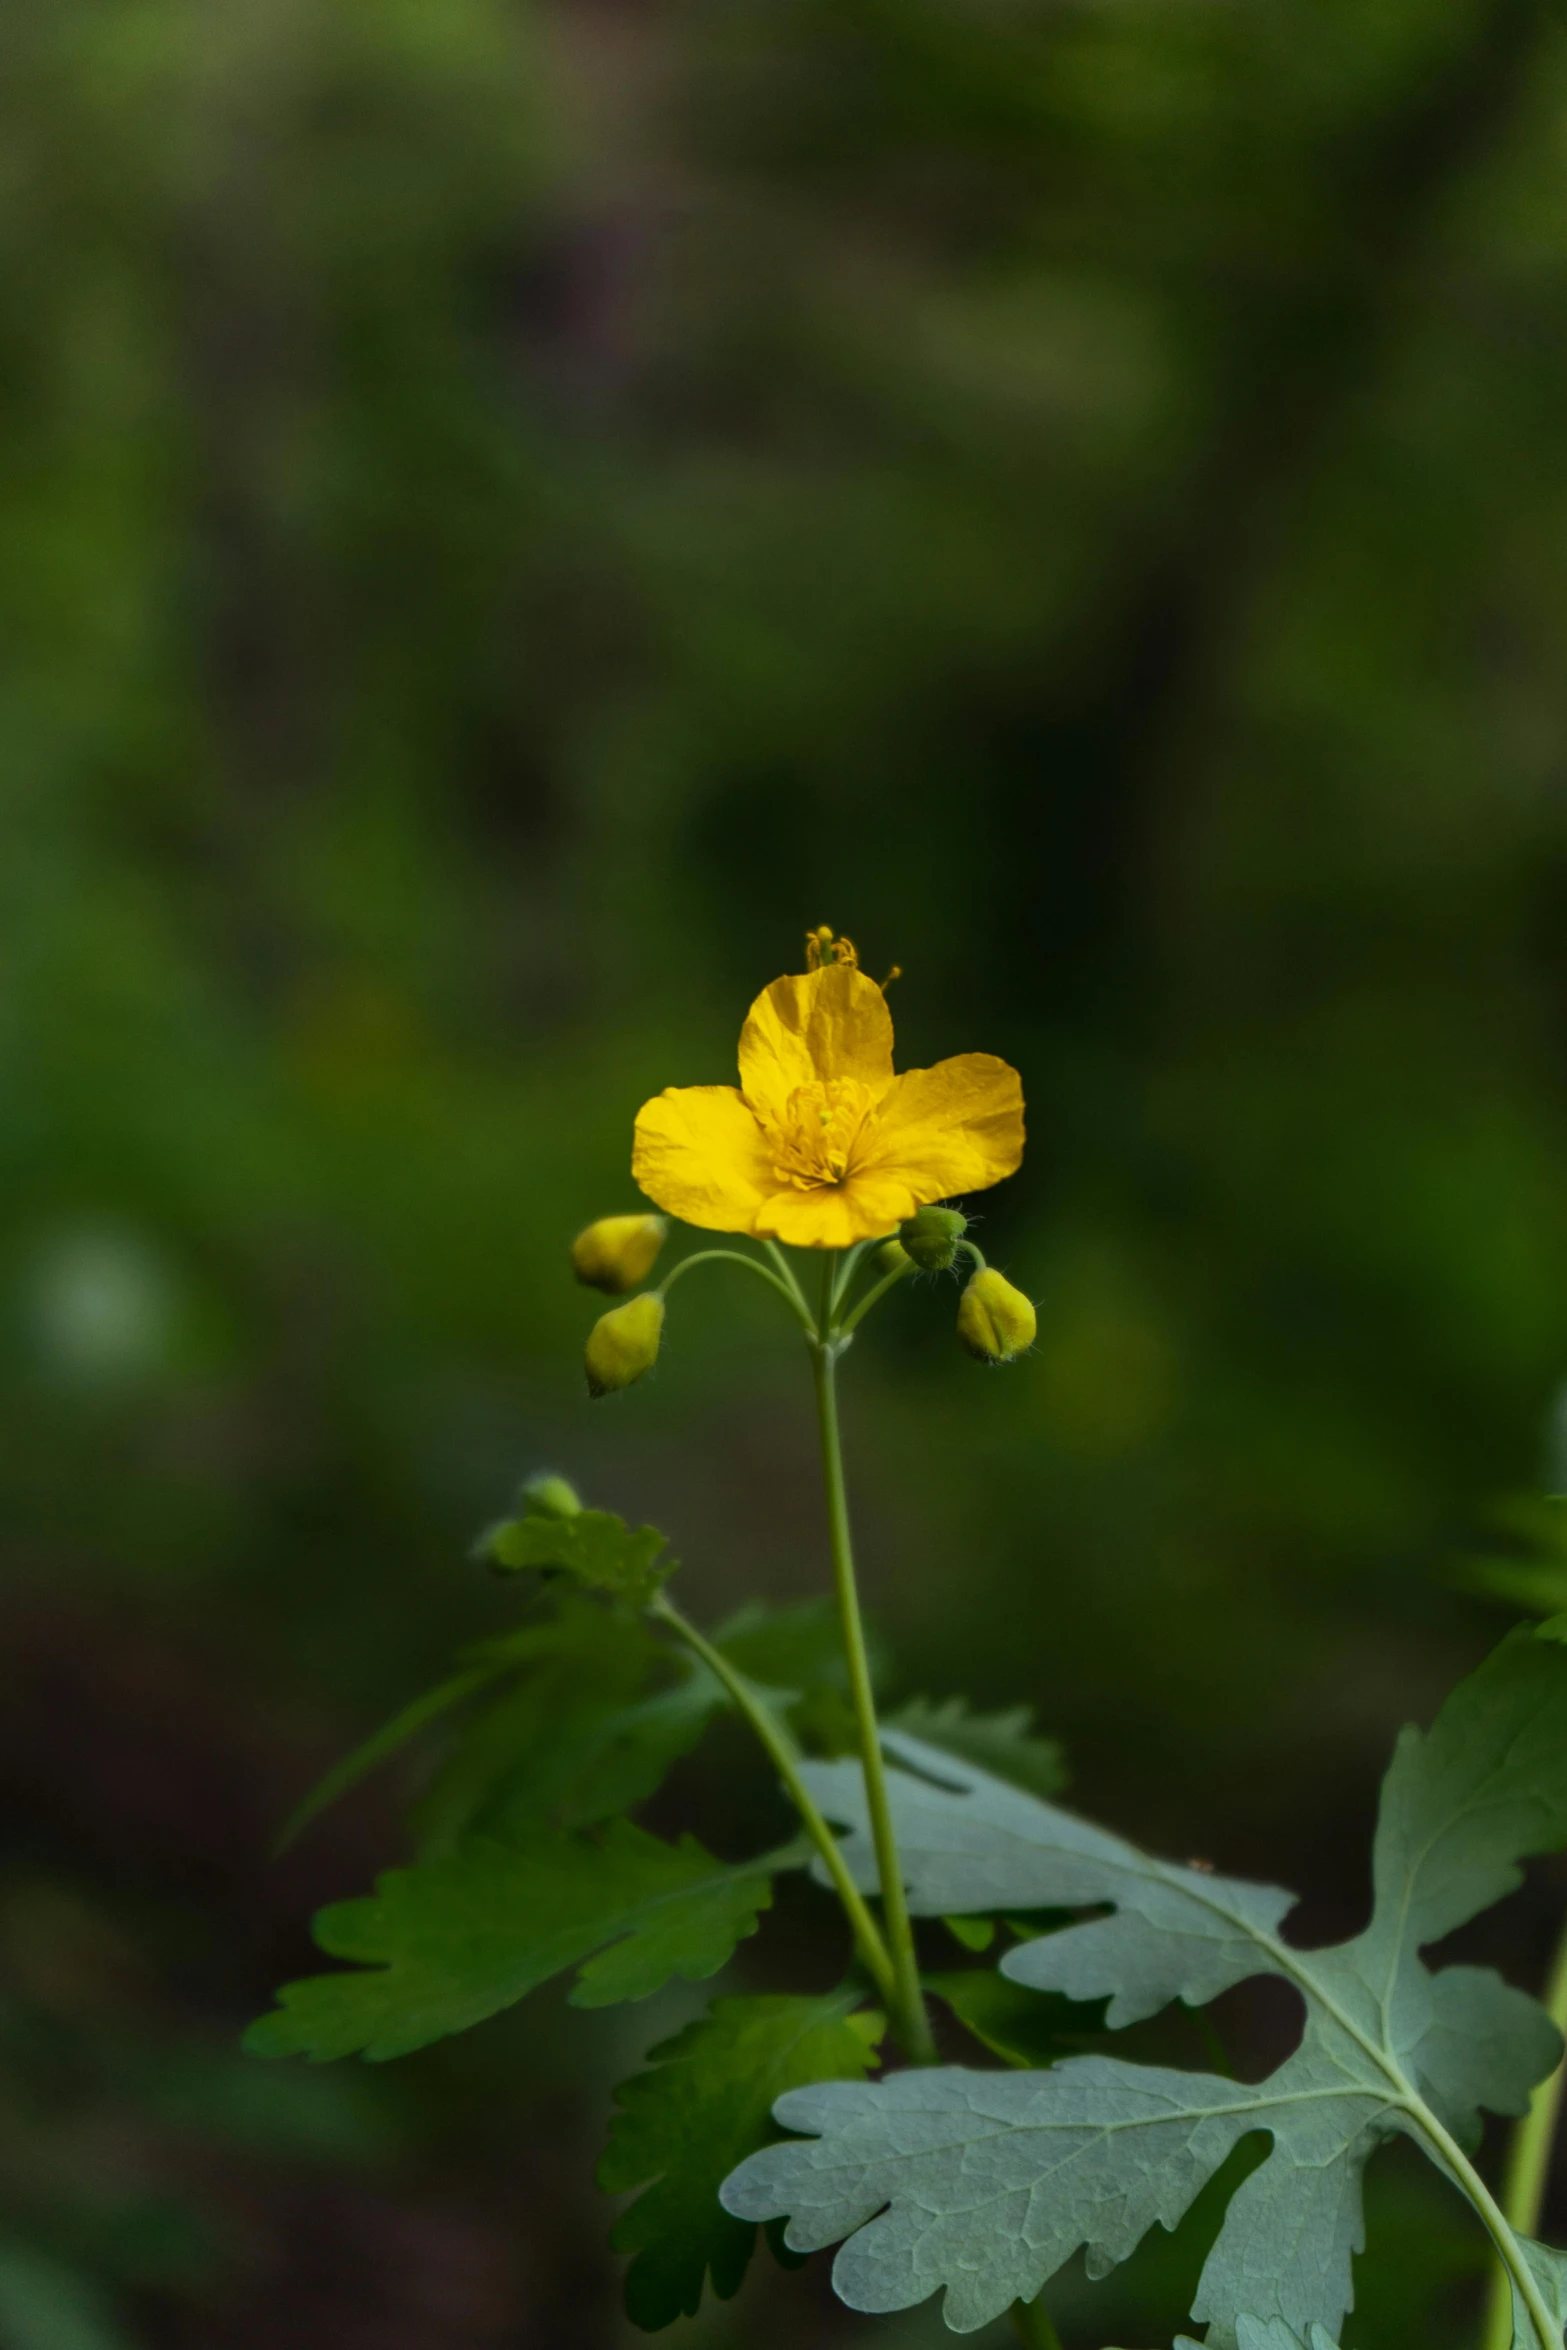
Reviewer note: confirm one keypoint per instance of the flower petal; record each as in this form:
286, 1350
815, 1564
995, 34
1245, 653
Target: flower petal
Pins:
835, 1215
813, 1026
948, 1130
701, 1155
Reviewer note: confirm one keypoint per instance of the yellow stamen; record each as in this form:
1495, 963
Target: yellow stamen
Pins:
815, 1142
822, 947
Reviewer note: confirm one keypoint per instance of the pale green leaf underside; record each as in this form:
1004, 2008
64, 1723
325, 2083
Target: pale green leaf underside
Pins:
972, 1845
447, 1943
1275, 2335
985, 2184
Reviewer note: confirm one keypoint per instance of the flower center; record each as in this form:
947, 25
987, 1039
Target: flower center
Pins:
814, 1142
822, 948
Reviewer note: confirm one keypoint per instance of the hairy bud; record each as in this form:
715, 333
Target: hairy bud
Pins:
995, 1321
931, 1235
623, 1343
617, 1252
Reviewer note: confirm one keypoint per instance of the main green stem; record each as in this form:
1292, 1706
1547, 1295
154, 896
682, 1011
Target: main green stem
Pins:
1529, 2160
910, 2019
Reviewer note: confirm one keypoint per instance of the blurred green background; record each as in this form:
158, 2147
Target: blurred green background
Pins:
507, 516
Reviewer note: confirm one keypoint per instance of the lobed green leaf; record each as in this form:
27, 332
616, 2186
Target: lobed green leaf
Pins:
704, 2103
795, 1654
985, 2184
599, 1550
576, 1738
1253, 2334
1016, 2024
453, 1940
794, 1648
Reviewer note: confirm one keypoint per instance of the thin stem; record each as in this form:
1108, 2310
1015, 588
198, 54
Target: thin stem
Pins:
975, 1252
872, 1297
1529, 2159
909, 2008
843, 1275
1033, 2325
788, 1291
786, 1275
867, 1935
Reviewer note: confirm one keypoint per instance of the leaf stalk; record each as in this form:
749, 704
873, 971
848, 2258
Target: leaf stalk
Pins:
1518, 2276
1529, 2159
867, 1935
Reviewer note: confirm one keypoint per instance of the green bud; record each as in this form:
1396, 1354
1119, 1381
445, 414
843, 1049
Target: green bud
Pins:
931, 1235
891, 1257
617, 1252
995, 1321
623, 1343
547, 1496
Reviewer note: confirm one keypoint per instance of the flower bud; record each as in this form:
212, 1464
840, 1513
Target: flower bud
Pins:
931, 1235
995, 1321
891, 1257
617, 1252
547, 1496
623, 1343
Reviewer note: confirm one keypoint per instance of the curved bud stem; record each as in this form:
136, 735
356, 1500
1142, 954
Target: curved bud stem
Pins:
867, 1935
788, 1288
786, 1276
873, 1297
843, 1275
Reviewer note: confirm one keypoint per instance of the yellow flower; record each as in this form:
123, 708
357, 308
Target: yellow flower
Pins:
821, 1145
